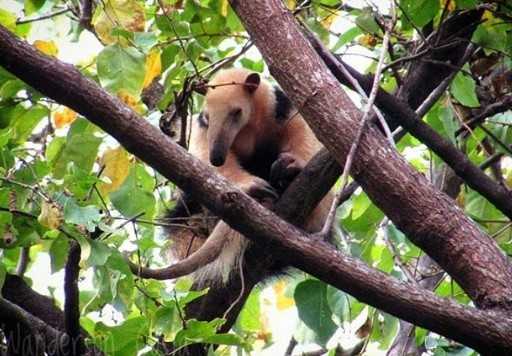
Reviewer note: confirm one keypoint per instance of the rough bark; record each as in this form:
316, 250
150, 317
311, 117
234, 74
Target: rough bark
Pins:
432, 221
404, 343
482, 330
400, 112
39, 310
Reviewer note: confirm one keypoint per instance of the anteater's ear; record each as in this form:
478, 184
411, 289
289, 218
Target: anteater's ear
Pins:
252, 82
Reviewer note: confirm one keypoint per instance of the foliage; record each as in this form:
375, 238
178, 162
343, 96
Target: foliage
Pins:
72, 181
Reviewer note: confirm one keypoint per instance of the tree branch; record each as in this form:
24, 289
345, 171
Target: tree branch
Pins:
432, 221
482, 330
28, 335
403, 115
72, 303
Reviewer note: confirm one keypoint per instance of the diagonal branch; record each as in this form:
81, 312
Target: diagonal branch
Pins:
403, 115
482, 330
29, 335
432, 221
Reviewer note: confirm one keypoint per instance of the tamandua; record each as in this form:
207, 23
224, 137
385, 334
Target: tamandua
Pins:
249, 130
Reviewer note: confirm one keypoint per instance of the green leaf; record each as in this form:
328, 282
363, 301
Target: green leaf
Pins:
33, 172
6, 158
366, 22
197, 331
466, 4
32, 6
168, 55
127, 337
463, 89
134, 197
10, 88
100, 253
80, 148
360, 205
420, 12
225, 339
249, 317
8, 19
59, 253
449, 123
54, 149
384, 330
24, 125
121, 69
167, 321
311, 300
5, 135
346, 37
89, 216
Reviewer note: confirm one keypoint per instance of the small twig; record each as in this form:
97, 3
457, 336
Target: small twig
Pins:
363, 94
291, 346
406, 15
44, 17
86, 10
132, 219
180, 312
439, 91
242, 287
396, 254
490, 110
35, 189
182, 45
23, 261
500, 231
32, 216
366, 116
496, 139
146, 294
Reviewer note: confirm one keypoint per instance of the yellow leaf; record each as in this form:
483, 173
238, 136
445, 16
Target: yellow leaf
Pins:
47, 47
125, 14
460, 200
488, 15
451, 4
367, 41
130, 100
224, 5
282, 301
50, 216
63, 117
328, 20
291, 4
153, 67
117, 166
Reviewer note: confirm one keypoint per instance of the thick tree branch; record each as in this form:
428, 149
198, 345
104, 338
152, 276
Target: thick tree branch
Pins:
403, 115
482, 330
432, 221
42, 308
16, 290
28, 335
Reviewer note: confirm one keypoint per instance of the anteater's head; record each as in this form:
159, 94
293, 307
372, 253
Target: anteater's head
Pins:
229, 107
